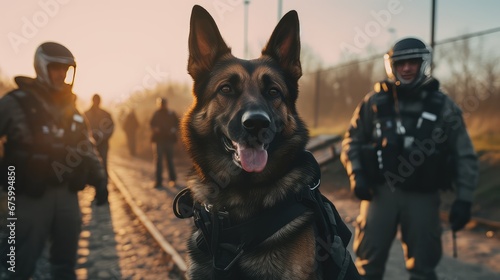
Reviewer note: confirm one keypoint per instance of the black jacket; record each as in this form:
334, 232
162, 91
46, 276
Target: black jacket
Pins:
47, 140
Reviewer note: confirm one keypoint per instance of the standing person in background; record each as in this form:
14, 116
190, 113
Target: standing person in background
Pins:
130, 126
407, 140
102, 127
164, 125
50, 158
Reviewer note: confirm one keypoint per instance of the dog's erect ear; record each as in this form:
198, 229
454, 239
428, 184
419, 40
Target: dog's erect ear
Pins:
205, 42
284, 44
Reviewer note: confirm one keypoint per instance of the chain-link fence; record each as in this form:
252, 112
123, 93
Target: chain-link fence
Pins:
467, 66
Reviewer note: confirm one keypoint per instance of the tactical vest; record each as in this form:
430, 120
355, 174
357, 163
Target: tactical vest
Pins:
52, 158
414, 158
226, 242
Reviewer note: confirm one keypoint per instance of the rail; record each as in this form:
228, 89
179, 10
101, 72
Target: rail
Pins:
179, 262
325, 148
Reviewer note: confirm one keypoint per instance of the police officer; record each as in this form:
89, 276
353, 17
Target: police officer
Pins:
407, 140
49, 150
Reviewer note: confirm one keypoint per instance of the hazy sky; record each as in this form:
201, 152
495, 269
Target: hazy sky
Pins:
123, 46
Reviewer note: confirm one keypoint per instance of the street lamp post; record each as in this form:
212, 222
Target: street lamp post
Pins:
280, 8
245, 29
433, 28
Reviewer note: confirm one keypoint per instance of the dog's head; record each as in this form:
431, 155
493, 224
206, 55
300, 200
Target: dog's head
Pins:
244, 114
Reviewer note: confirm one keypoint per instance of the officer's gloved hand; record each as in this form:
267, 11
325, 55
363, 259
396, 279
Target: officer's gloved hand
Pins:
459, 214
360, 186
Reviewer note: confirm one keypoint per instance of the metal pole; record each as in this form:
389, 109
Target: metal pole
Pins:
454, 238
433, 28
280, 8
245, 31
317, 99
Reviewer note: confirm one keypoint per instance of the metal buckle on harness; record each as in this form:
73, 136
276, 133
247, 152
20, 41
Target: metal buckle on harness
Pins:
400, 129
315, 186
208, 207
220, 214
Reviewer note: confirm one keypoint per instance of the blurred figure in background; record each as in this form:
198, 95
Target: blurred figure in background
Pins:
50, 158
102, 127
407, 140
130, 126
164, 125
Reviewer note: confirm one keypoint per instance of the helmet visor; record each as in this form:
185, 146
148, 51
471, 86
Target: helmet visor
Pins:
61, 75
70, 76
422, 55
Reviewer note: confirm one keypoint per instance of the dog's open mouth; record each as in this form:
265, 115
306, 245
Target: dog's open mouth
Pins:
249, 158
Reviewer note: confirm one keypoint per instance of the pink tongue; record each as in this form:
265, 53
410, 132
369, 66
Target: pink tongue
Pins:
252, 159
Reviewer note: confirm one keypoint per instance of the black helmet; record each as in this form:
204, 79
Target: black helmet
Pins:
48, 53
408, 48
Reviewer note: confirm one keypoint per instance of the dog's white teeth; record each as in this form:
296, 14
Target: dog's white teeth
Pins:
236, 160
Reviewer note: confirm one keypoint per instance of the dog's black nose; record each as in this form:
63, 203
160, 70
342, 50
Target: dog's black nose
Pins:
254, 121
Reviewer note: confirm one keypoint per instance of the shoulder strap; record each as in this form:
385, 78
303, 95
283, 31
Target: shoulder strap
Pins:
332, 237
33, 109
37, 117
384, 103
332, 234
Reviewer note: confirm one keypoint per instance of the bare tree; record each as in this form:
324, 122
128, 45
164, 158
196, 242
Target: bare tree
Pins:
472, 80
333, 94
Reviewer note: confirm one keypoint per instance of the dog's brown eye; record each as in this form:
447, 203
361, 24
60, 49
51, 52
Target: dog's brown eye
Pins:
226, 89
273, 92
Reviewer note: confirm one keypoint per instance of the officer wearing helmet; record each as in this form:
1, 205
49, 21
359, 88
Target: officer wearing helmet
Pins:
406, 142
49, 158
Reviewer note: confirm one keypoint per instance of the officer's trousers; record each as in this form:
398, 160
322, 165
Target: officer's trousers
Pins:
53, 217
417, 214
164, 150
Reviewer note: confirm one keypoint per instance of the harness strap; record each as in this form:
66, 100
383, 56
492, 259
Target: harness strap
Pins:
226, 243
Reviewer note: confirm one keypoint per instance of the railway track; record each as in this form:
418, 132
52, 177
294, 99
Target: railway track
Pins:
176, 258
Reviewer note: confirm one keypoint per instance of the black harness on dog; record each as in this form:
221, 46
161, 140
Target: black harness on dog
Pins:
226, 242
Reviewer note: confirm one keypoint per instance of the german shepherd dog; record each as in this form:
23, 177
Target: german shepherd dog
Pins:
247, 144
